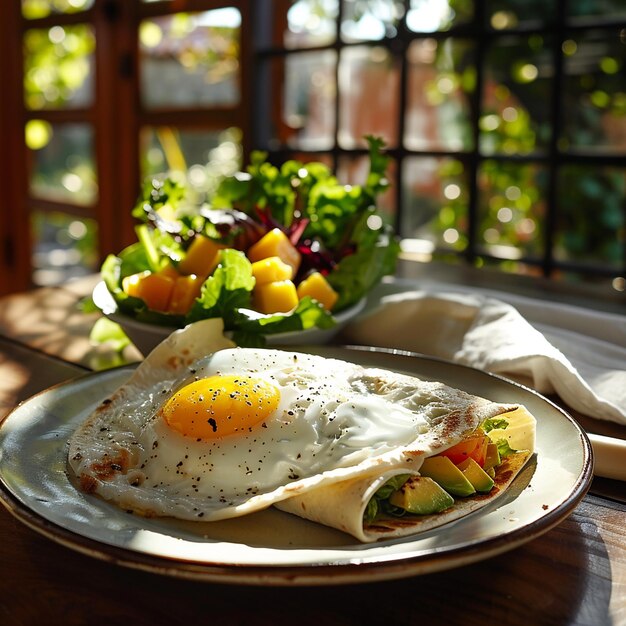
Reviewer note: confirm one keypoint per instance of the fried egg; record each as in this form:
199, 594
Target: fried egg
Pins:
206, 430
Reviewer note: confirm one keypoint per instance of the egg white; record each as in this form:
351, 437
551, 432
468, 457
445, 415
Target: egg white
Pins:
335, 420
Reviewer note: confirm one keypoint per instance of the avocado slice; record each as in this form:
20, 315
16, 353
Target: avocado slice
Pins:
444, 472
421, 495
482, 482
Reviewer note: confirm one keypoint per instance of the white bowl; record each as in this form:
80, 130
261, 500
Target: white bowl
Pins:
147, 336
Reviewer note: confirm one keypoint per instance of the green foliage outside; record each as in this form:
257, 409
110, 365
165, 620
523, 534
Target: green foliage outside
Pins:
590, 223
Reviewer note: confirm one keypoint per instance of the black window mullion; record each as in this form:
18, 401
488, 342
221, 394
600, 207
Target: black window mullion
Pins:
338, 46
402, 49
553, 145
474, 157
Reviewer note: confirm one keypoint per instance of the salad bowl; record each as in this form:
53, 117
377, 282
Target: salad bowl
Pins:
146, 336
283, 255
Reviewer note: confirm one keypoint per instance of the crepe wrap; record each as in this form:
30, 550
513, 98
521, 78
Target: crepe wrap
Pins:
342, 505
106, 465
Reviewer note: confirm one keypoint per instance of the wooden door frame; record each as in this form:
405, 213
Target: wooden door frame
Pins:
15, 235
115, 116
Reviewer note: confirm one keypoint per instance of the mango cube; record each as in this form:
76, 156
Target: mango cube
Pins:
186, 289
271, 270
275, 243
130, 284
202, 257
169, 270
154, 289
316, 286
277, 297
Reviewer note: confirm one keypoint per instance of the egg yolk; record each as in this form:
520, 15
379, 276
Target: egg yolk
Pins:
218, 406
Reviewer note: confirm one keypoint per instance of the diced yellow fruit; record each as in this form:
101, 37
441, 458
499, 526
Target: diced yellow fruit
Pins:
186, 290
275, 243
154, 289
130, 284
319, 288
271, 270
201, 257
277, 297
169, 270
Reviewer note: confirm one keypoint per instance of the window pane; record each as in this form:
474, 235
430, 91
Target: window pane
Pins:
441, 77
370, 21
311, 23
428, 16
479, 83
201, 158
605, 9
516, 96
435, 203
595, 92
592, 224
32, 9
511, 209
504, 14
369, 80
190, 59
58, 67
305, 118
62, 162
64, 247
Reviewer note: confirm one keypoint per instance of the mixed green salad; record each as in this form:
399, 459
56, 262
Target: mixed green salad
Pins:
275, 249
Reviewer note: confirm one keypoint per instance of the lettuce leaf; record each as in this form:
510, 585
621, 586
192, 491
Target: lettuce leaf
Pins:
379, 502
504, 448
375, 256
106, 331
226, 291
307, 314
494, 423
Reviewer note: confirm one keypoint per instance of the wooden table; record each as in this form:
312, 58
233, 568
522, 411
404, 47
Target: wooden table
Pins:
573, 574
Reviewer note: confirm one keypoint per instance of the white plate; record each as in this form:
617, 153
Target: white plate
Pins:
272, 547
146, 336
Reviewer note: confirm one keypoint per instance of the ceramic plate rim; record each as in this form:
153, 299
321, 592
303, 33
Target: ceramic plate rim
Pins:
353, 563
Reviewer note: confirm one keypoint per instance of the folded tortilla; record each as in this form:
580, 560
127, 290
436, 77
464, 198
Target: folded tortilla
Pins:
325, 458
343, 505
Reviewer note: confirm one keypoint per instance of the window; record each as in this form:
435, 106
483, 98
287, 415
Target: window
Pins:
505, 120
106, 93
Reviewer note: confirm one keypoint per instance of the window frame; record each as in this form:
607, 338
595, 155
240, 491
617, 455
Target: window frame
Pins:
116, 117
479, 31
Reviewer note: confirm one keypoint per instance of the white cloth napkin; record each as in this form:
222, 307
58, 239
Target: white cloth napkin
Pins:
578, 354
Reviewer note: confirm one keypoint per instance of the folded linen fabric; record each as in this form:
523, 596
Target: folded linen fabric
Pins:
579, 355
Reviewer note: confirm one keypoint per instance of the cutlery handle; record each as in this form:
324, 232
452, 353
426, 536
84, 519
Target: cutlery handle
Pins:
609, 455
